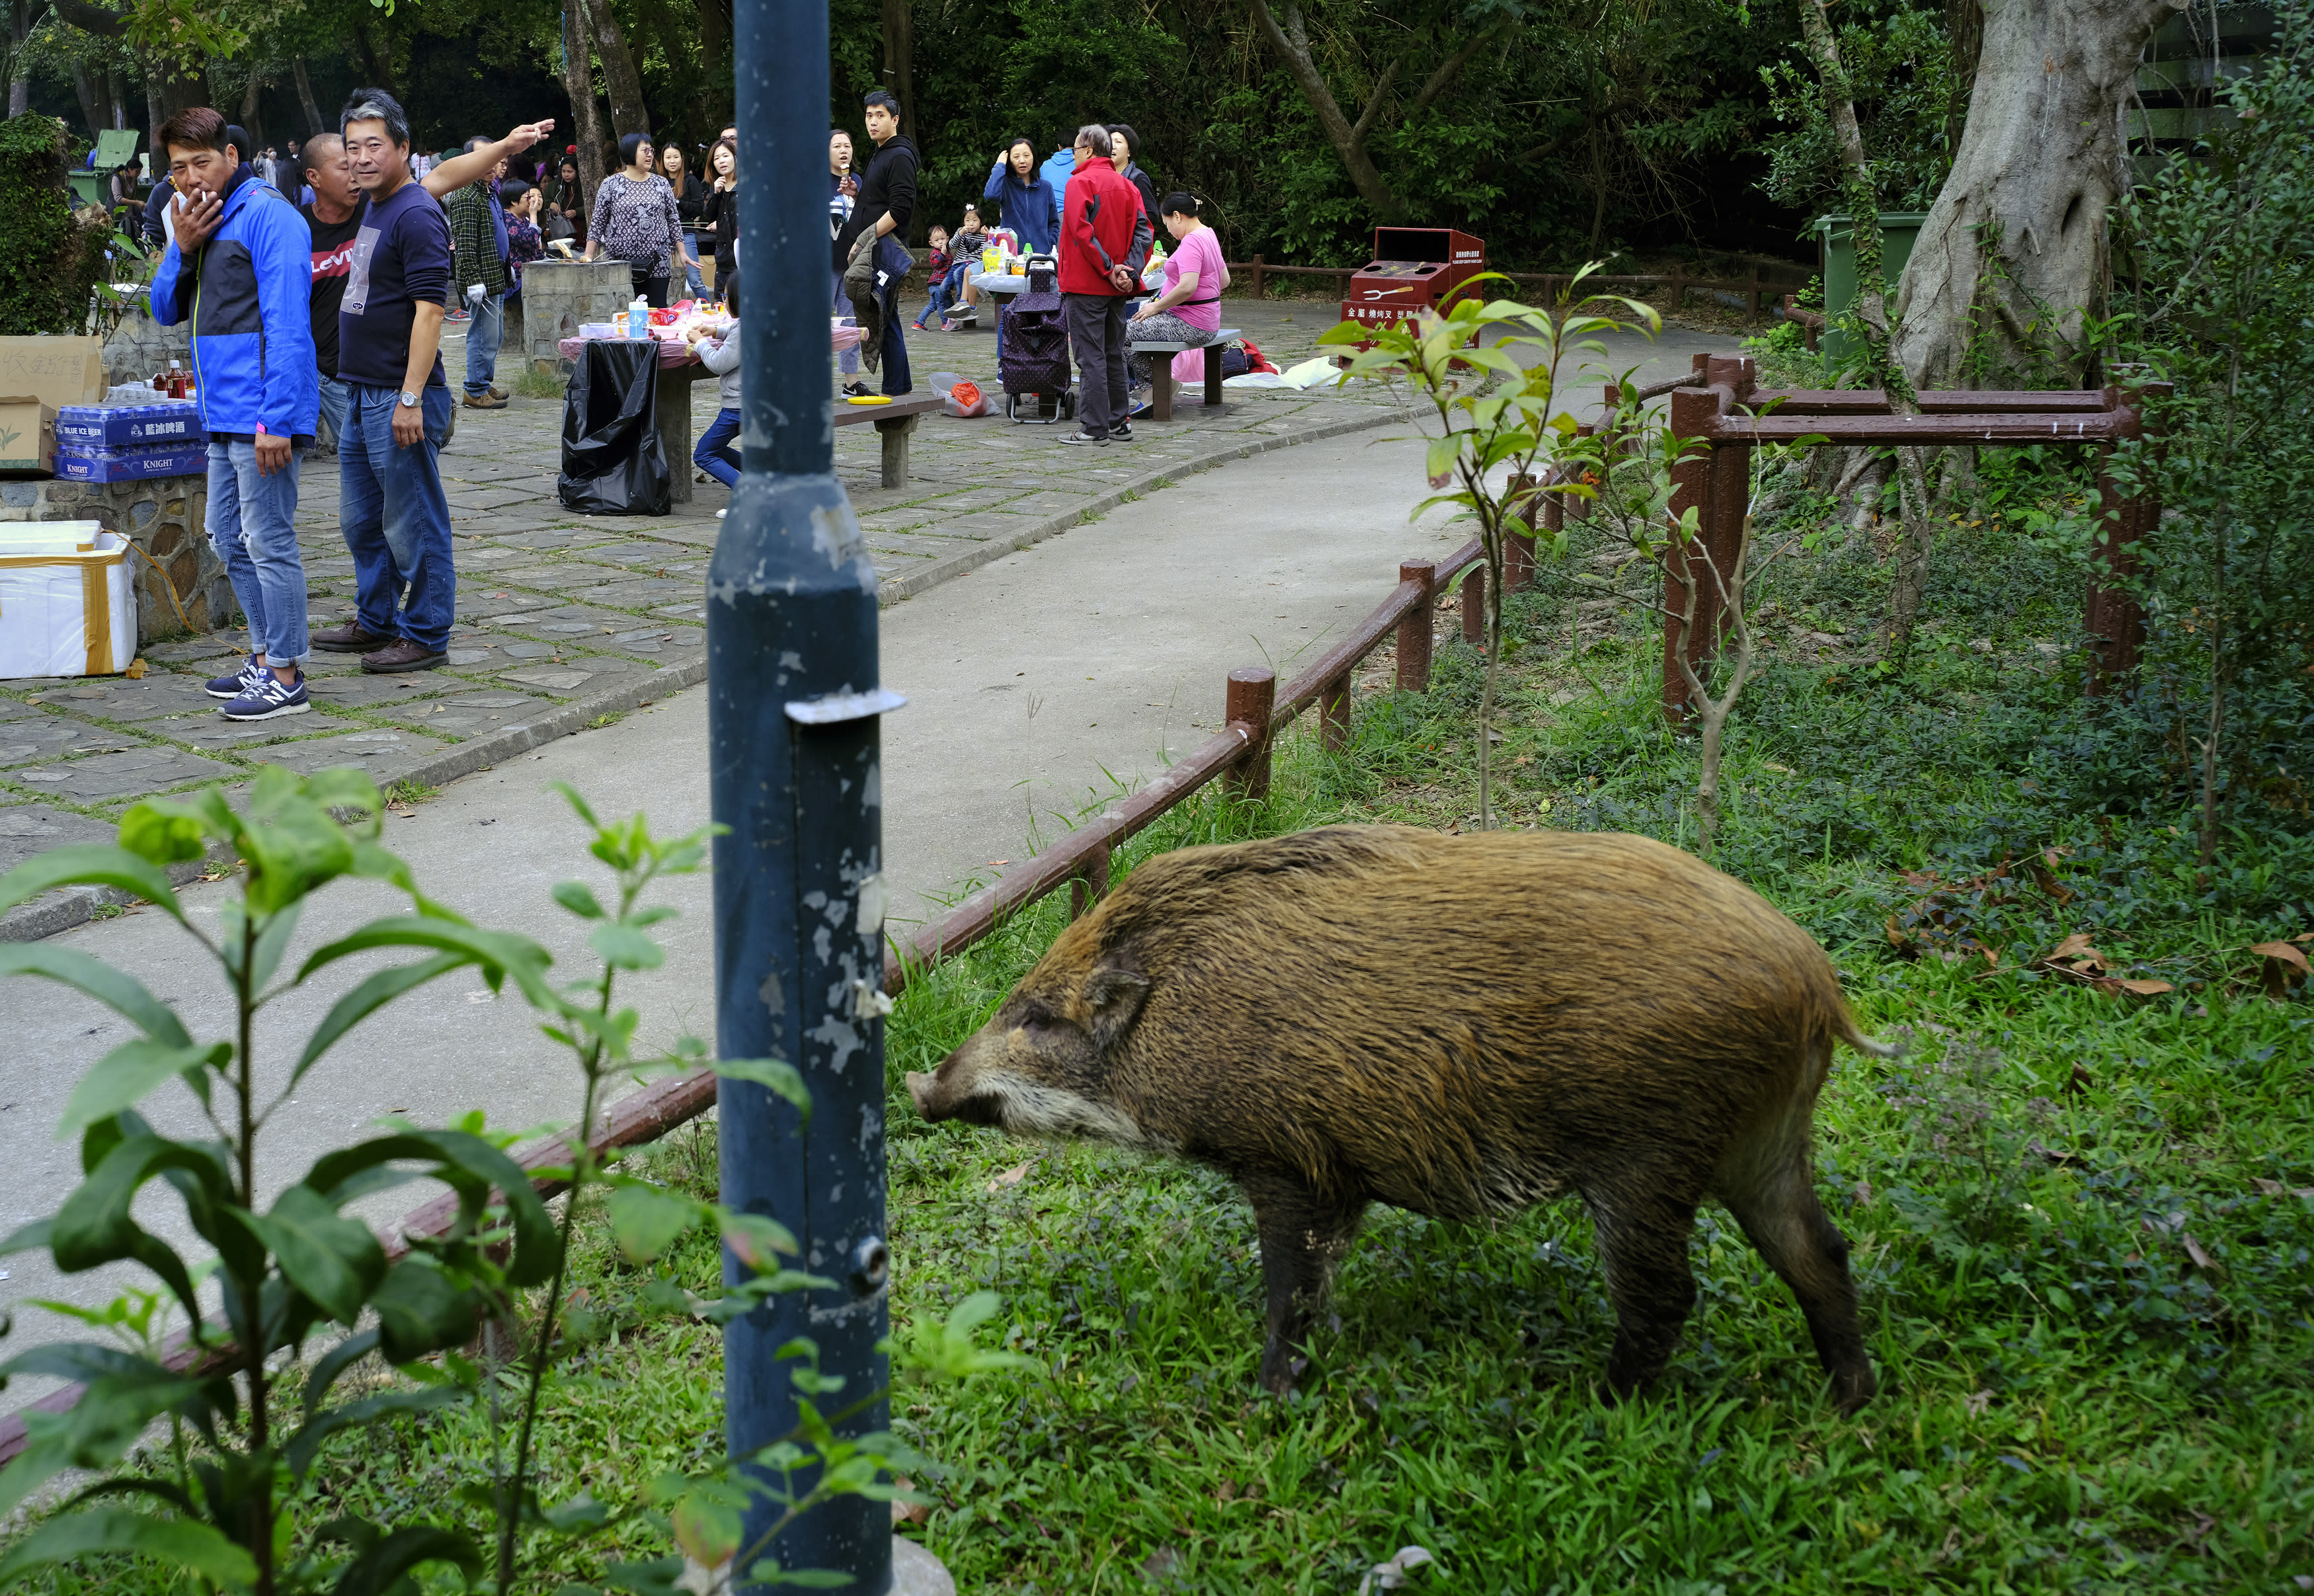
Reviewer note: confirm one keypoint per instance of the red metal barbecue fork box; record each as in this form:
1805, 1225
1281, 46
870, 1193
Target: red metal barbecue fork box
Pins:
1414, 268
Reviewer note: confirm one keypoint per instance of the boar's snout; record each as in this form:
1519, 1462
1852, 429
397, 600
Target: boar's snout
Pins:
954, 1090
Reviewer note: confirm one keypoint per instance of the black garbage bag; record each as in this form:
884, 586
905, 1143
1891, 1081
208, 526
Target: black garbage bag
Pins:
613, 463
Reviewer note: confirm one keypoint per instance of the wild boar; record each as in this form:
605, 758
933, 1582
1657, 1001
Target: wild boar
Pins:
1461, 1026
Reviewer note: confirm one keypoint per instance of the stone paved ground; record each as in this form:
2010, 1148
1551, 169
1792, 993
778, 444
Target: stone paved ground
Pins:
563, 618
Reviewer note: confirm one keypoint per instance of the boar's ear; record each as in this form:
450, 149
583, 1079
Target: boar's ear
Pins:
1112, 995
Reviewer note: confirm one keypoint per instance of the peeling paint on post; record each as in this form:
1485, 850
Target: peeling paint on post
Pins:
794, 738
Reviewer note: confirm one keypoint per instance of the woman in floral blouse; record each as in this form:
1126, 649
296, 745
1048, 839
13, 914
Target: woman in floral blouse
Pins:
523, 243
636, 221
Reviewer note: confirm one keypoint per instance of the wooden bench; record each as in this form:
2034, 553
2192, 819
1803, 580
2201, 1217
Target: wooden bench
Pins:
896, 421
1161, 377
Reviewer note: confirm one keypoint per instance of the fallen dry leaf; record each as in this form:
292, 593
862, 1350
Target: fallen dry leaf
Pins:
1012, 1177
2274, 1188
2145, 989
2201, 1260
2285, 953
1391, 1574
135, 671
2081, 1082
1977, 1402
2075, 947
909, 1512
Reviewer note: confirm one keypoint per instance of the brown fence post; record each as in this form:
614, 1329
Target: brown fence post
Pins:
1334, 715
1518, 550
1255, 286
1252, 693
1414, 626
1472, 599
1692, 483
1089, 885
1753, 312
2112, 616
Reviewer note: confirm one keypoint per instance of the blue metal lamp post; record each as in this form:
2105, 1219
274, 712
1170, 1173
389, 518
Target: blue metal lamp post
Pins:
793, 738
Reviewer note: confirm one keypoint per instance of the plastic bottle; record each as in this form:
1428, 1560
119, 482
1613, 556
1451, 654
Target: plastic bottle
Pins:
638, 318
176, 381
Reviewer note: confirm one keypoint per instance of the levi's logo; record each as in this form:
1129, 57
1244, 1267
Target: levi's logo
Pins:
334, 263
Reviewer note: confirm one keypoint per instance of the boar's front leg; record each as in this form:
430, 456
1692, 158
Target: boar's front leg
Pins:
1304, 1234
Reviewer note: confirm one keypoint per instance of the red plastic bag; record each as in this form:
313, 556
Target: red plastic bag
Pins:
961, 396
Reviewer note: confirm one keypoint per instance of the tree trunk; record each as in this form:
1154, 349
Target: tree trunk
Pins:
251, 123
1292, 43
314, 126
84, 87
715, 60
379, 67
19, 80
114, 98
154, 116
624, 85
899, 53
2014, 252
586, 112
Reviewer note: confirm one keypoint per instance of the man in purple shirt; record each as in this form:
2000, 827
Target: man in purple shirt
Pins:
390, 506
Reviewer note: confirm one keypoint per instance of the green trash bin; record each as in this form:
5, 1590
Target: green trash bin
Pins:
1837, 239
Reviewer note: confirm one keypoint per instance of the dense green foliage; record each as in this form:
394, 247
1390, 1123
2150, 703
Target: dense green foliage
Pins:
50, 260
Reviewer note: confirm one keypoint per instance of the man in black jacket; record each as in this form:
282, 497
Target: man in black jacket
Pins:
887, 199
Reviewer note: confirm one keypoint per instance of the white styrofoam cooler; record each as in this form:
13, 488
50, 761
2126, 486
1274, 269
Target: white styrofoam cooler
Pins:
67, 600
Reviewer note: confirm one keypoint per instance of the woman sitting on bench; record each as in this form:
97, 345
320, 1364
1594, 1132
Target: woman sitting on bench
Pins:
1188, 311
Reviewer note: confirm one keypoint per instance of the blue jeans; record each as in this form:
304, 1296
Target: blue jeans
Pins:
947, 293
847, 361
715, 455
698, 284
252, 528
396, 522
333, 412
484, 335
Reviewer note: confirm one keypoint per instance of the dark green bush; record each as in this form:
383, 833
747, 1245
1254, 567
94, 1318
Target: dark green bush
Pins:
50, 260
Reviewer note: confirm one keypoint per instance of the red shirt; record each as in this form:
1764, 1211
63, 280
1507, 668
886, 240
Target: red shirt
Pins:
1097, 217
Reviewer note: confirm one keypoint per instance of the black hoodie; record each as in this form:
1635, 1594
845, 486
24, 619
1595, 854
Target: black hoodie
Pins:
888, 184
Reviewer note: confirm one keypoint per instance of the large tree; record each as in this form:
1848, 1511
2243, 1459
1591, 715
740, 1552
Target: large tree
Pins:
2013, 255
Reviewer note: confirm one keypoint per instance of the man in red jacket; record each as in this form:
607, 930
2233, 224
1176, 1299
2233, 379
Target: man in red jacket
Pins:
1104, 239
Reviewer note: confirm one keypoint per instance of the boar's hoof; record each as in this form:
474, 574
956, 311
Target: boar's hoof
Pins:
1853, 1389
1280, 1368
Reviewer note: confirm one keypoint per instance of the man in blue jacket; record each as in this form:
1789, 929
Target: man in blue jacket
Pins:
240, 268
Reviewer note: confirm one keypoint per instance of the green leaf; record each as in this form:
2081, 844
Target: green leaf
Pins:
781, 1078
94, 1227
334, 1260
579, 898
93, 977
507, 952
706, 1522
422, 1309
334, 1363
647, 1221
121, 1079
756, 1240
382, 1566
180, 1542
654, 1578
272, 942
375, 993
471, 1167
577, 803
305, 1446
625, 948
769, 1572
89, 864
163, 831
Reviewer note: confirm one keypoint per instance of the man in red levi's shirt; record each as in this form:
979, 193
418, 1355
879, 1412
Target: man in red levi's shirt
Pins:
1105, 237
331, 217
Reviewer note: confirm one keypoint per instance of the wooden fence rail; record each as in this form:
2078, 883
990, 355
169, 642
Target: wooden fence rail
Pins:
1756, 289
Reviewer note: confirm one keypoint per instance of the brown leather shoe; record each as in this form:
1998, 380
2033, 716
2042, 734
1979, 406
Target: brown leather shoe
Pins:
401, 655
496, 391
351, 639
484, 401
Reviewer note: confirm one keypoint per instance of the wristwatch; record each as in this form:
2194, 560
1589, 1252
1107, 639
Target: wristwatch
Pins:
408, 398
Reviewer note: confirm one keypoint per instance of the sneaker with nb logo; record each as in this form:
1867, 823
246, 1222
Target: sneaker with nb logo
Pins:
268, 697
240, 682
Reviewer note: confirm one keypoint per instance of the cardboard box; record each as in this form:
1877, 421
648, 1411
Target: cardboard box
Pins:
56, 371
28, 436
125, 425
176, 457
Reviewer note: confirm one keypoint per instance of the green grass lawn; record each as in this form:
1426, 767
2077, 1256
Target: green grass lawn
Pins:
2083, 1220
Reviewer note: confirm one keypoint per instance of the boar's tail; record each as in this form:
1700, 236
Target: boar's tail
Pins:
1846, 1029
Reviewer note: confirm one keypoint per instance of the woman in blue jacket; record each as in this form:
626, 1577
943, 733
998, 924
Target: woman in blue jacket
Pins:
1030, 207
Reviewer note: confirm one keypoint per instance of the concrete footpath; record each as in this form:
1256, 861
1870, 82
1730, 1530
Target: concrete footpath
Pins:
1036, 684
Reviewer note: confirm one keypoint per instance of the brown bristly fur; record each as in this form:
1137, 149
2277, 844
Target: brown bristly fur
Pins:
1460, 1025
